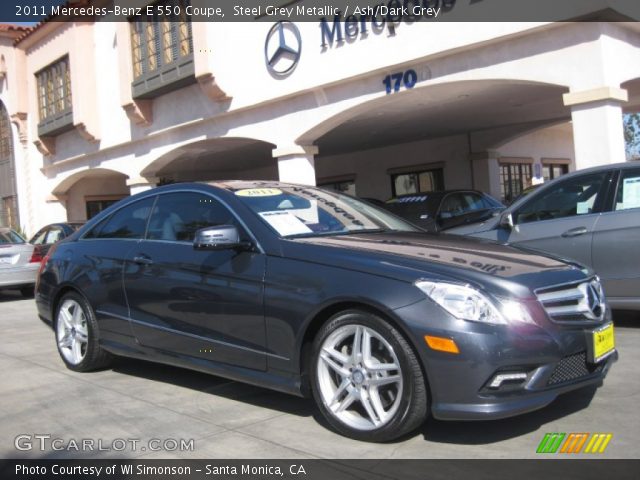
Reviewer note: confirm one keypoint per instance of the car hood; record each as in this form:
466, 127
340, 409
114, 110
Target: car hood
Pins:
411, 256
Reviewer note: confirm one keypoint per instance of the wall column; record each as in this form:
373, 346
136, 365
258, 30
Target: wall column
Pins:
486, 172
296, 164
598, 133
139, 185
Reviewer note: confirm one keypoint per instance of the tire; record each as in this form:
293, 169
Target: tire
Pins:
379, 394
76, 333
27, 292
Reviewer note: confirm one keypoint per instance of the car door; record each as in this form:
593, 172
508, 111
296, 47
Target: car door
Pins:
206, 304
99, 261
616, 240
560, 219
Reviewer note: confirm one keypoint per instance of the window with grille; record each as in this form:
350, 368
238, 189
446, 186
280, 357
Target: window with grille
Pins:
514, 178
54, 98
162, 51
554, 170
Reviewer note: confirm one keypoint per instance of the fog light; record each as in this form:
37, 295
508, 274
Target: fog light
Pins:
507, 377
441, 344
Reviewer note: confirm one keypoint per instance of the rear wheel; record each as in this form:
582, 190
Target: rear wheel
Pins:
77, 335
366, 379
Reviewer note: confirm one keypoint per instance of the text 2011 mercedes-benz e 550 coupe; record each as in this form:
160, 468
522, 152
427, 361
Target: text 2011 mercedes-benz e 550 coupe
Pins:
310, 292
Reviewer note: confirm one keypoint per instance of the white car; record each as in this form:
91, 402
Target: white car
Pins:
19, 262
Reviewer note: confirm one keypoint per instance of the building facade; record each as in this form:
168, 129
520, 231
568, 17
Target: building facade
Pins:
94, 111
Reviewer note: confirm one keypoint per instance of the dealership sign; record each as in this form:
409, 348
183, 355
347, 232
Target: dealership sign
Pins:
358, 21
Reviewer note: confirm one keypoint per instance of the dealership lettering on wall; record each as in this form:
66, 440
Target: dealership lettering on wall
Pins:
361, 20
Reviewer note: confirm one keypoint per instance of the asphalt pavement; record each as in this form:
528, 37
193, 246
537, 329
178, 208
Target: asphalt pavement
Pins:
143, 410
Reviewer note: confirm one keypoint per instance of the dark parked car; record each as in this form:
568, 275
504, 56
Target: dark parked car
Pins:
592, 216
53, 233
315, 293
437, 211
19, 262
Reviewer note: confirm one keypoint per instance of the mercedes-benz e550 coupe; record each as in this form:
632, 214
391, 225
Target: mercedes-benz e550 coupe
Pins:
316, 293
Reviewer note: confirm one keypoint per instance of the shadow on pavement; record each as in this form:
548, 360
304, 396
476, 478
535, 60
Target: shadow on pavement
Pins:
203, 382
12, 296
483, 432
625, 319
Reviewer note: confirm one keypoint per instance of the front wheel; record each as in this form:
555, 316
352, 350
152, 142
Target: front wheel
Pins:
366, 379
77, 335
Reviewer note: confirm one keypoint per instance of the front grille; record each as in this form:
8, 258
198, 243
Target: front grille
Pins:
573, 367
582, 301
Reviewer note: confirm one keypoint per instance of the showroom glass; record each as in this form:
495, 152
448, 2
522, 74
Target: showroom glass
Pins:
128, 222
577, 196
309, 212
417, 182
628, 195
178, 216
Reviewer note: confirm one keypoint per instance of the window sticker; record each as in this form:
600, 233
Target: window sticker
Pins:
285, 223
259, 192
582, 208
630, 193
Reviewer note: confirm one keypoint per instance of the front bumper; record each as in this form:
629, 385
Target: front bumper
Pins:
553, 357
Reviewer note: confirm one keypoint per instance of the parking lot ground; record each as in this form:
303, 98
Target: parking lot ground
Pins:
141, 401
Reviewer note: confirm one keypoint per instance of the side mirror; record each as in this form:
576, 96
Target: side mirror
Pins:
218, 238
506, 221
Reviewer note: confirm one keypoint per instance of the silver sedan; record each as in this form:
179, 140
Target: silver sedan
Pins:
19, 262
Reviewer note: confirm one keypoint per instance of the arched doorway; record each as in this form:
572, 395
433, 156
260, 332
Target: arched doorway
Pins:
9, 215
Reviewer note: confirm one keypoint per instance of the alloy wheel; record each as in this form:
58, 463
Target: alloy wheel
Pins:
359, 377
72, 332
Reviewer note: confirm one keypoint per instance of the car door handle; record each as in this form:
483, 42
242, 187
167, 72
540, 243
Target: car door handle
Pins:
575, 232
142, 260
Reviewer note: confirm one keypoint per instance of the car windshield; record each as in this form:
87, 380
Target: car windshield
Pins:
10, 237
297, 211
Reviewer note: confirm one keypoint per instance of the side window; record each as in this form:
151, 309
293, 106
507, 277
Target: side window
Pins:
177, 216
54, 235
39, 237
628, 195
453, 205
577, 196
128, 222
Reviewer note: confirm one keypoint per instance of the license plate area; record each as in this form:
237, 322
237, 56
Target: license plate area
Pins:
601, 343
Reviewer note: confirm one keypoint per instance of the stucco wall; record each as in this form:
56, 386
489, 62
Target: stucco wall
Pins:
93, 187
370, 166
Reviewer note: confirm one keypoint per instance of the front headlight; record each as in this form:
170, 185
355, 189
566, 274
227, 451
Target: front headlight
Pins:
467, 303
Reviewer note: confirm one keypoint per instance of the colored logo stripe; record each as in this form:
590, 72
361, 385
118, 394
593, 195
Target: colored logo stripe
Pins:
550, 443
598, 443
574, 443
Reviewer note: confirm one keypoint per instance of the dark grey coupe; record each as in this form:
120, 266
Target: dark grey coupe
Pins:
315, 293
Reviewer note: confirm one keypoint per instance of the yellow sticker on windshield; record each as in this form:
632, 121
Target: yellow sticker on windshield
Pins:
259, 192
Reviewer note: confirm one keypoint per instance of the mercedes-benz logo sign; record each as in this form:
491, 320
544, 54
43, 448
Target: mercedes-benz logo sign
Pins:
593, 303
282, 48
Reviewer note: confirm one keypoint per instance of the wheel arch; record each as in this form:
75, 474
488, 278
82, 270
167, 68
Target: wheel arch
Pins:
57, 297
320, 317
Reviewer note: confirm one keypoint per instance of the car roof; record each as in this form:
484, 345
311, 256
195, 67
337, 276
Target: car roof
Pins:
233, 185
604, 168
546, 185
